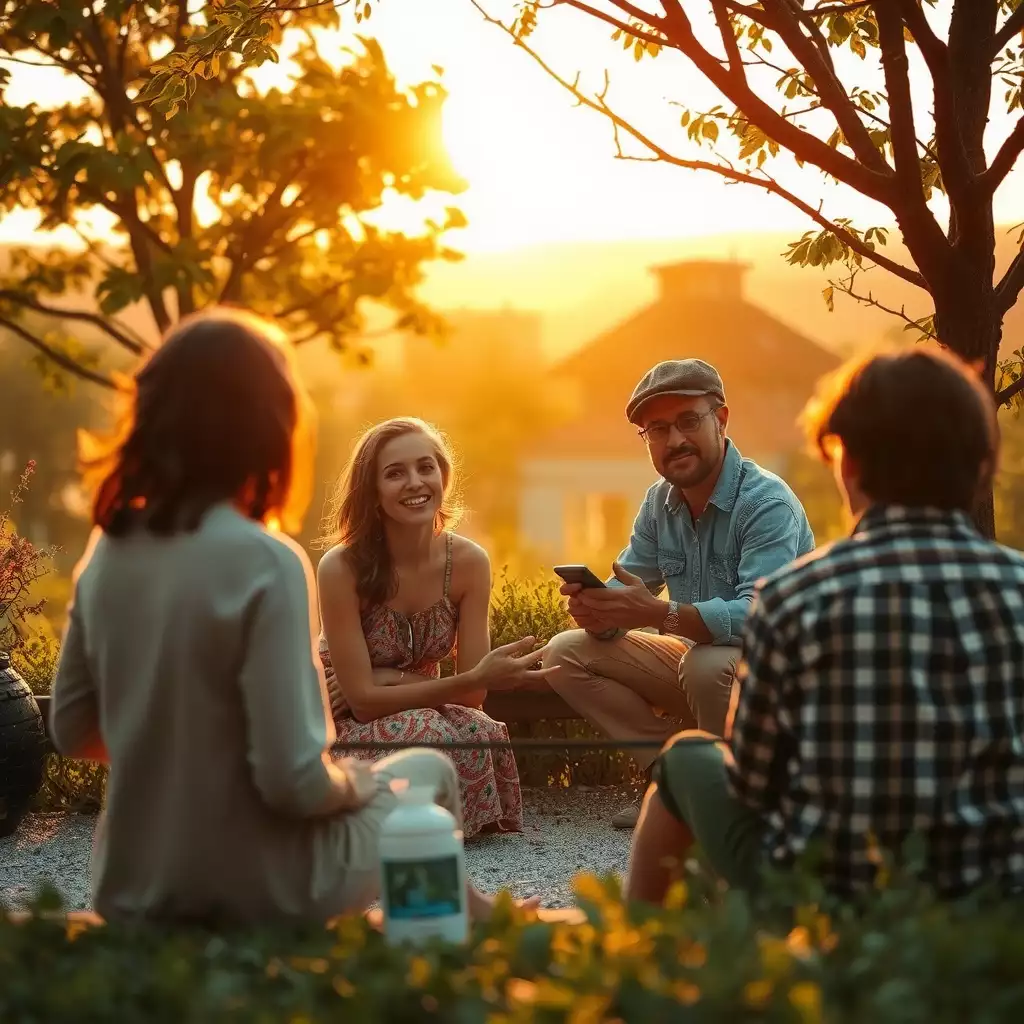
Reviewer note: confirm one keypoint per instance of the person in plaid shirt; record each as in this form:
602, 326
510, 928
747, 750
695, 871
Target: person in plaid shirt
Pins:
882, 679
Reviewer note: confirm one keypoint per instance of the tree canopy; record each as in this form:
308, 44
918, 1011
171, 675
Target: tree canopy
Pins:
265, 197
830, 83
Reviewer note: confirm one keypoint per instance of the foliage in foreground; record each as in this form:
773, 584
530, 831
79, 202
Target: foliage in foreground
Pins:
907, 959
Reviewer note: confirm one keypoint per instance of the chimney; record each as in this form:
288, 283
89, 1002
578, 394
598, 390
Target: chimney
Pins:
702, 281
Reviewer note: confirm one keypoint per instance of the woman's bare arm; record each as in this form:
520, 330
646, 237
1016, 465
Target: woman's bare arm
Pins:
474, 608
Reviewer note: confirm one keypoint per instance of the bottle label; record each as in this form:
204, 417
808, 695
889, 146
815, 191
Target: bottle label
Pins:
422, 888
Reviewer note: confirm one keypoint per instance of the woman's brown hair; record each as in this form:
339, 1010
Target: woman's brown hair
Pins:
215, 414
354, 519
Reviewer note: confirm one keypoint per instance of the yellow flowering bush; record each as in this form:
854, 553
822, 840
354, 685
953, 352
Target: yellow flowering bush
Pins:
901, 959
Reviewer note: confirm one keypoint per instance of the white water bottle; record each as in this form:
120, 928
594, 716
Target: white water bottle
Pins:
423, 870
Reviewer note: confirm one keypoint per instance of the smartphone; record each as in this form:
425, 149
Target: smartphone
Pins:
579, 574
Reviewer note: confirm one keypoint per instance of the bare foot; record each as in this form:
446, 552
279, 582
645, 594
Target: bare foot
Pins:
481, 906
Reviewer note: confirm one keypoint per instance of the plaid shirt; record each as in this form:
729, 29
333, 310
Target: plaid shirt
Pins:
882, 697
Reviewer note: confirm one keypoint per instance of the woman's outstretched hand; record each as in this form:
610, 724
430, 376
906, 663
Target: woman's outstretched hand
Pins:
512, 666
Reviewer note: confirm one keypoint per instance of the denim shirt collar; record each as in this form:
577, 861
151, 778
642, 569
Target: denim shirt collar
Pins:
726, 489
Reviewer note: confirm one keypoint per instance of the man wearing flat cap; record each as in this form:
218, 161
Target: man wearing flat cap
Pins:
656, 651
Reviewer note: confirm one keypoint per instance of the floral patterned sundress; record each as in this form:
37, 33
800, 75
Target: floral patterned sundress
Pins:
417, 644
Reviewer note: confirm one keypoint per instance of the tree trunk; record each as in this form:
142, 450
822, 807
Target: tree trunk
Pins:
968, 323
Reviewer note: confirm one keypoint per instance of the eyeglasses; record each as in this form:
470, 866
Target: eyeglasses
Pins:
685, 423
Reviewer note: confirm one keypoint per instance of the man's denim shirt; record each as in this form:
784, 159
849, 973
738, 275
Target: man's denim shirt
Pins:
752, 525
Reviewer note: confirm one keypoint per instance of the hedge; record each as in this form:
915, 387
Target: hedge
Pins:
907, 959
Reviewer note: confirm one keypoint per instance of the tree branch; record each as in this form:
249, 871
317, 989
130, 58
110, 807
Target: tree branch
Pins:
108, 327
805, 146
830, 89
1003, 161
1009, 288
918, 222
732, 83
932, 48
820, 42
956, 170
622, 26
632, 11
845, 285
728, 34
767, 184
1013, 26
869, 114
59, 358
1010, 392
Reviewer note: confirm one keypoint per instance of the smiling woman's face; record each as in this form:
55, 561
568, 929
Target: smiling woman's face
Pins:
409, 483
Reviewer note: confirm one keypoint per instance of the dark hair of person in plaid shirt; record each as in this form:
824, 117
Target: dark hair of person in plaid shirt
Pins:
881, 691
919, 426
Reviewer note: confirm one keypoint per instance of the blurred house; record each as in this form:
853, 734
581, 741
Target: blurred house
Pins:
582, 484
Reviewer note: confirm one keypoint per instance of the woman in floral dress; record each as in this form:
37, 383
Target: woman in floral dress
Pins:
399, 594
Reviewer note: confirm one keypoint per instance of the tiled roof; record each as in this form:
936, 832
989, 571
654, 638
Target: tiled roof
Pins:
769, 371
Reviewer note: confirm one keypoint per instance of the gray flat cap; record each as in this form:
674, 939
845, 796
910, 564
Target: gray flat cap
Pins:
676, 377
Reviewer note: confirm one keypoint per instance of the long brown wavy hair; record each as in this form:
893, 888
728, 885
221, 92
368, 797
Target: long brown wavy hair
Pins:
353, 517
215, 414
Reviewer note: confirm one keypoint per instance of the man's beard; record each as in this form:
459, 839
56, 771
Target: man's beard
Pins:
694, 471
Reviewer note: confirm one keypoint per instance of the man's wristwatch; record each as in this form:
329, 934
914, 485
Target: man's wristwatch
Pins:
670, 626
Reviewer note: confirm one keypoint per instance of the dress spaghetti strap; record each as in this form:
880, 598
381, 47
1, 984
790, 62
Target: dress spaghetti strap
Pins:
448, 565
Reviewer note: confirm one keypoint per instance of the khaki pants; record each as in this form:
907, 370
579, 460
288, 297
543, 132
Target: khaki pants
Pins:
357, 833
643, 686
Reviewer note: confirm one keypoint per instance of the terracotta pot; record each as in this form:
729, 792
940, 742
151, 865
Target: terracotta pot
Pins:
23, 747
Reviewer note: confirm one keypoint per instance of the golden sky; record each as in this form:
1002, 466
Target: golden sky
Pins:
541, 169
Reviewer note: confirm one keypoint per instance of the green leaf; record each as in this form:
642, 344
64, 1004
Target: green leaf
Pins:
829, 297
710, 130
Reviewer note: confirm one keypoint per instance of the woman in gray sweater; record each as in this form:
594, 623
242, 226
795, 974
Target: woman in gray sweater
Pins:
189, 662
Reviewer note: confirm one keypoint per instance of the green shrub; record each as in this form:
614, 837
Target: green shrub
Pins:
526, 608
36, 661
907, 960
68, 784
71, 785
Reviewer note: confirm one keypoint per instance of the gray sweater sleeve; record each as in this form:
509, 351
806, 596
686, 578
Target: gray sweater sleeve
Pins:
284, 709
74, 710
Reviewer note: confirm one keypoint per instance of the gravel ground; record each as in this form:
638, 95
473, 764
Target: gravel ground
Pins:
565, 832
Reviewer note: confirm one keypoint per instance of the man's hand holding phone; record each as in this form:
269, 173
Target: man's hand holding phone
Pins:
603, 609
576, 579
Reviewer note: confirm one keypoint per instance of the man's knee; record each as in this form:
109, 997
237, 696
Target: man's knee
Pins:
566, 648
686, 760
688, 736
708, 667
706, 676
